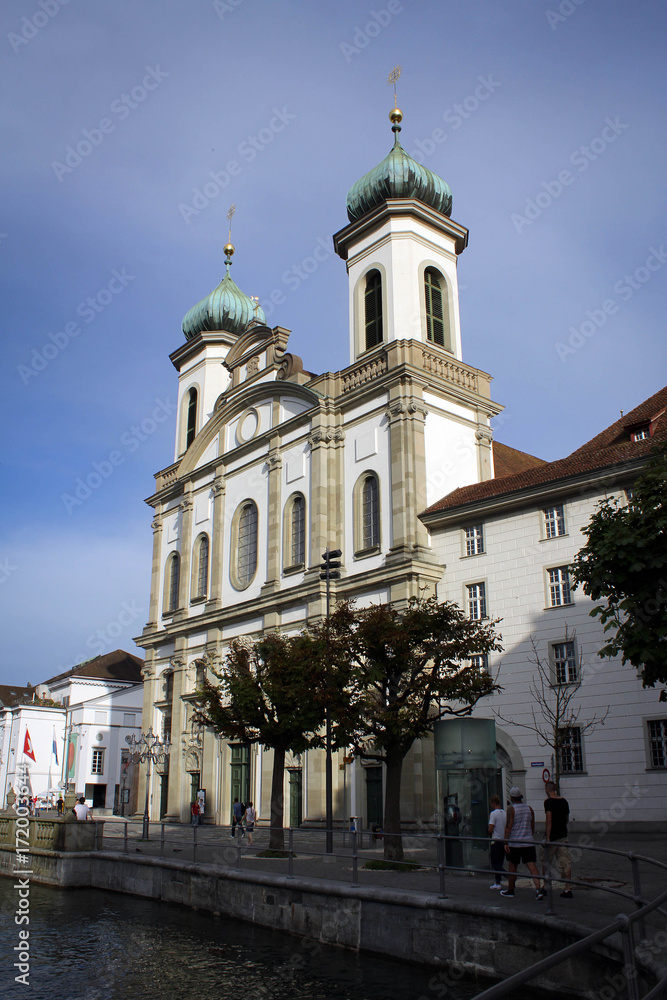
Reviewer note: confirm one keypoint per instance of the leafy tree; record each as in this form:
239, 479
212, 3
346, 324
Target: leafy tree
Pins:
624, 564
409, 669
273, 691
553, 707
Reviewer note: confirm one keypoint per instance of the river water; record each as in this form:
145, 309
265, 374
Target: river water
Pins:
86, 944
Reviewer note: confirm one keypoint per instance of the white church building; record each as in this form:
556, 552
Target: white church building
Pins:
392, 460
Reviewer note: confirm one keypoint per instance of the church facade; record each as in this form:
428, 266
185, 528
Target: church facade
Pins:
274, 464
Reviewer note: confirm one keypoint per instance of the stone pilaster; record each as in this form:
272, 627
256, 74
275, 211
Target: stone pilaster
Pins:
154, 609
484, 438
217, 544
408, 476
177, 795
187, 514
274, 522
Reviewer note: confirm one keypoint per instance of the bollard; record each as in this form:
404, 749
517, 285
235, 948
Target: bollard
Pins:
441, 865
125, 839
194, 844
161, 840
355, 860
290, 848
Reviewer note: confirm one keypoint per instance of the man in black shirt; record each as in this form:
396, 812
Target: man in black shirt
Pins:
556, 851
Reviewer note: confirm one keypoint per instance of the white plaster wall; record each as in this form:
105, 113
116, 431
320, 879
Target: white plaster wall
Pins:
367, 450
451, 455
209, 375
513, 568
251, 483
295, 478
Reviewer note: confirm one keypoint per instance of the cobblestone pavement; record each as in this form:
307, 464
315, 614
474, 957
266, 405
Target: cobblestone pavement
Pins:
605, 889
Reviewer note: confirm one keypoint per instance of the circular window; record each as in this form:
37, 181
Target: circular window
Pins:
248, 426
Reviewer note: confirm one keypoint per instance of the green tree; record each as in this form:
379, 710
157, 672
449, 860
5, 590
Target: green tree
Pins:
408, 669
624, 565
274, 692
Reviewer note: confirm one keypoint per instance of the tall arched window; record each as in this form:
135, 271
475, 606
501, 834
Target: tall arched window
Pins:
370, 513
373, 309
192, 418
294, 532
200, 580
172, 581
435, 315
246, 544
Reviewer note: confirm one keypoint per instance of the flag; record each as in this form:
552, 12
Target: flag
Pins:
27, 746
54, 745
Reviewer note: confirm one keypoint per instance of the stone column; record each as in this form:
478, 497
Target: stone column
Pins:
154, 609
408, 478
177, 811
217, 544
187, 514
484, 438
274, 525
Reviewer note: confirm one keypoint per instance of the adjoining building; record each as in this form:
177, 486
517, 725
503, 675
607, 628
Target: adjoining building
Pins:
274, 464
69, 731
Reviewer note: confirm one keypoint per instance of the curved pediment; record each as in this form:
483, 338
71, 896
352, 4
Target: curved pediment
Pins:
257, 340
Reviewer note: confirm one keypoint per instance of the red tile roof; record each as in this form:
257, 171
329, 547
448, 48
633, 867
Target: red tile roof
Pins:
116, 666
612, 446
507, 461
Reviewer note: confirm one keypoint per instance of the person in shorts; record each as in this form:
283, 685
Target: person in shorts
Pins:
238, 812
250, 819
520, 847
555, 852
497, 824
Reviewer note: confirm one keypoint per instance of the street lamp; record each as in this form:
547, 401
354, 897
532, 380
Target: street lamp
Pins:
329, 570
152, 749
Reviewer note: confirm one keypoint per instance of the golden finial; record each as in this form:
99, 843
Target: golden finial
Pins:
229, 247
395, 115
255, 299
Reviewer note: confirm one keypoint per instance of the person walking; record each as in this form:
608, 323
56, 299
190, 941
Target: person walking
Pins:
194, 812
61, 806
250, 819
238, 809
497, 824
520, 847
555, 851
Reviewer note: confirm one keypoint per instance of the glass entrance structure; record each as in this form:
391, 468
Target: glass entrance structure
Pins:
467, 775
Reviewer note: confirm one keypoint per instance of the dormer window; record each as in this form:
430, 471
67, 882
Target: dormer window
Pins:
640, 433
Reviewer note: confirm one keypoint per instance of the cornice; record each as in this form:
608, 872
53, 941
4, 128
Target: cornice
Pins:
353, 232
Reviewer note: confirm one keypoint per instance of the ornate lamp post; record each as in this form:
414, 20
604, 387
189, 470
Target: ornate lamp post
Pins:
152, 749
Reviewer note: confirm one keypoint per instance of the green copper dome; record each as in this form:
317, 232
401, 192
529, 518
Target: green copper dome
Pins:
398, 176
226, 308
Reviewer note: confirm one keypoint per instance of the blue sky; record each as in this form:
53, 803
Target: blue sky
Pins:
545, 118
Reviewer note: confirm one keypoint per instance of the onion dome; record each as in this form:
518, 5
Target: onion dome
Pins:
226, 308
398, 176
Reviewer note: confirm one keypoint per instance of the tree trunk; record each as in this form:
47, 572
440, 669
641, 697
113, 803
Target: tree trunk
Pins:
393, 843
277, 835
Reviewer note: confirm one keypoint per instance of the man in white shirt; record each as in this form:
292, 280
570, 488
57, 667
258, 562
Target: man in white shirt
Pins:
81, 809
497, 822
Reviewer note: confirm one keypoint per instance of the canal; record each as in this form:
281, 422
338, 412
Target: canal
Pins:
86, 944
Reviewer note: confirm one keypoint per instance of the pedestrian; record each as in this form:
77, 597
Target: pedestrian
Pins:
250, 820
194, 812
60, 804
497, 824
520, 847
555, 851
238, 810
81, 810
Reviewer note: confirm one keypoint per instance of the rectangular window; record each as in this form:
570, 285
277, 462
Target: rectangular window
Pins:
98, 762
476, 601
570, 750
657, 742
474, 539
559, 586
554, 521
129, 719
565, 662
480, 662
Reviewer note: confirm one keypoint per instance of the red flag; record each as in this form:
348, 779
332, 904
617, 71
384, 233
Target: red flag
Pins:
27, 747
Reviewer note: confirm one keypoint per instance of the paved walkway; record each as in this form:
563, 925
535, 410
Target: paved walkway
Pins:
604, 876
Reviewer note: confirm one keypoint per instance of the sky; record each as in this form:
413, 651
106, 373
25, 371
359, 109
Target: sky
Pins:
130, 127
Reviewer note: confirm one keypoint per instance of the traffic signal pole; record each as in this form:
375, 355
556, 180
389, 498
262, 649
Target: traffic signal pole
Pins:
329, 570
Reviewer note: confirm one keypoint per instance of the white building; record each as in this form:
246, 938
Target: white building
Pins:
76, 724
273, 465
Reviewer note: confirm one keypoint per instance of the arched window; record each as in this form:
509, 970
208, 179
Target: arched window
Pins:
370, 513
200, 567
373, 309
435, 314
294, 532
246, 544
192, 418
172, 581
